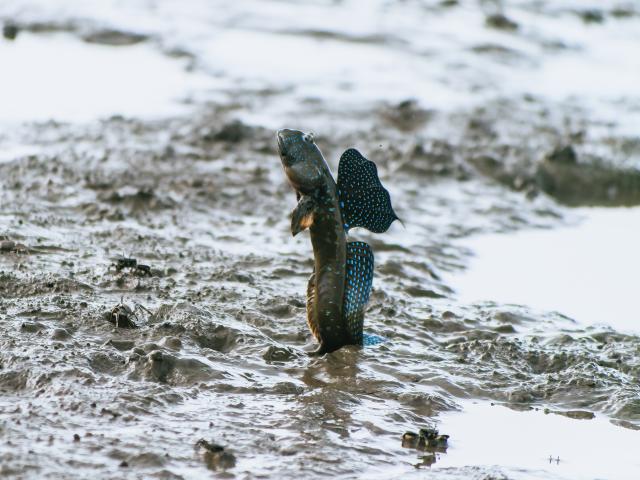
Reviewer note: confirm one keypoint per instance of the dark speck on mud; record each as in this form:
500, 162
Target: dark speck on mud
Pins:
10, 31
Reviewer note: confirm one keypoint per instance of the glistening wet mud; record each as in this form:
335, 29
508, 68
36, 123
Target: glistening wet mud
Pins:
212, 352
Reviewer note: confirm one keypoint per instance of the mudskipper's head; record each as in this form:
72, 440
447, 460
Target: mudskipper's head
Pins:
302, 161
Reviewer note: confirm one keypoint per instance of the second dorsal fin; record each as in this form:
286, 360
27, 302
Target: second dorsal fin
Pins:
357, 288
363, 200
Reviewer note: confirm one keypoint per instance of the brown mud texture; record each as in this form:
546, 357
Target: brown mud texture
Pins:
150, 295
152, 302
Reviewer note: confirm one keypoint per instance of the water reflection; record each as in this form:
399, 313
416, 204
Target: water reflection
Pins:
587, 272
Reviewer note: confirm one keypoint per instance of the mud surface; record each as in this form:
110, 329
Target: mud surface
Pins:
190, 362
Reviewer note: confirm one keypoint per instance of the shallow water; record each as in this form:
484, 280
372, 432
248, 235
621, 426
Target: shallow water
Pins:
58, 76
586, 271
535, 444
197, 193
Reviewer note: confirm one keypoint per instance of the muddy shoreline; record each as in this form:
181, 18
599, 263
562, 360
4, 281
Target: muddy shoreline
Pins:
195, 364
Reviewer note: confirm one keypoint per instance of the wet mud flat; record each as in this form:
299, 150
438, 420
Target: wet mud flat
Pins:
152, 299
211, 342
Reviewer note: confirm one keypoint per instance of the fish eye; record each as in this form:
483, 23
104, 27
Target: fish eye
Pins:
308, 137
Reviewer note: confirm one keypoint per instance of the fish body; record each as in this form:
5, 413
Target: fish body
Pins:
339, 288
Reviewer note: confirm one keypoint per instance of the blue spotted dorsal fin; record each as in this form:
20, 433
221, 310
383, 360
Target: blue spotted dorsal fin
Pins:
363, 200
358, 283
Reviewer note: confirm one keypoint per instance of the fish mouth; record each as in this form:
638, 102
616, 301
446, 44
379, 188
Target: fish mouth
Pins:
280, 140
281, 137
285, 135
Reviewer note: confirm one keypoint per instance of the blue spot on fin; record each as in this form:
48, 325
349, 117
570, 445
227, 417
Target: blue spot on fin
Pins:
364, 201
358, 281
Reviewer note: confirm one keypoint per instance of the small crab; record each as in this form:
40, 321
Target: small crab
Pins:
215, 456
132, 265
122, 315
124, 262
429, 437
426, 439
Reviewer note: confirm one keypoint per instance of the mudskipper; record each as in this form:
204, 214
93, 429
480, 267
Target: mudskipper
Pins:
339, 287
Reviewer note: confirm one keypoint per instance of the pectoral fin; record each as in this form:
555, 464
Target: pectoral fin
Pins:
357, 288
363, 200
302, 215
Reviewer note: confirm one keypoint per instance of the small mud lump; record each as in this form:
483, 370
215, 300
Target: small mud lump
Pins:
565, 155
233, 132
7, 246
10, 31
501, 22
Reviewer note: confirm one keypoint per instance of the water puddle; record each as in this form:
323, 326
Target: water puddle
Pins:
533, 444
59, 77
380, 73
588, 272
12, 151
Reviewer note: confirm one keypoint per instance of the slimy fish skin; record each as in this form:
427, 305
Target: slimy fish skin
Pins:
339, 287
